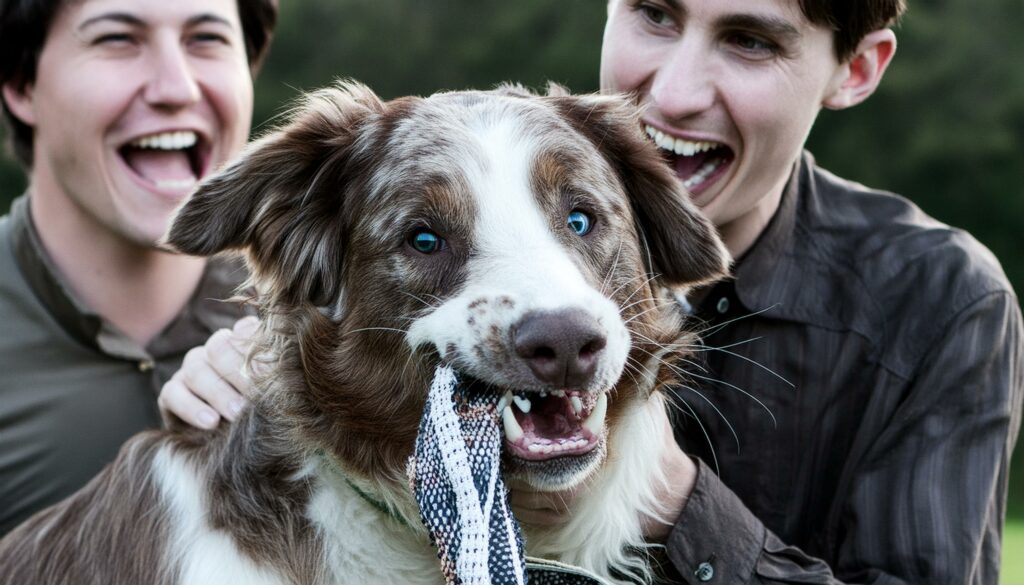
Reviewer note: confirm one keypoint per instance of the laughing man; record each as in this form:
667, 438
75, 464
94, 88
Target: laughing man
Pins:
116, 108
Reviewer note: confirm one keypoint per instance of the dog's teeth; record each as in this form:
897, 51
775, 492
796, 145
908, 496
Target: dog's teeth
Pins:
505, 401
558, 393
595, 422
543, 393
535, 448
577, 404
522, 402
513, 432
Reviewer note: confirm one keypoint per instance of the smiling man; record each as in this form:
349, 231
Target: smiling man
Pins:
117, 108
863, 382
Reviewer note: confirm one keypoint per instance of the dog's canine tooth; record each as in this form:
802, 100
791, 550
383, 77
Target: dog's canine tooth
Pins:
577, 404
595, 422
513, 432
522, 402
505, 401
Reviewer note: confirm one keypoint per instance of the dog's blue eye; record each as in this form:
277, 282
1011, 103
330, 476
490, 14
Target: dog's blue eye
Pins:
580, 223
426, 241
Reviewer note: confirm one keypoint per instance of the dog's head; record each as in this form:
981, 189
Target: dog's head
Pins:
520, 238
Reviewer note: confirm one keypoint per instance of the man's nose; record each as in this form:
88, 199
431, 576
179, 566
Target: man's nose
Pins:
172, 82
684, 84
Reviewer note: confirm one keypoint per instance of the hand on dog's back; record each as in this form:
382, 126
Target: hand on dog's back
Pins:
212, 383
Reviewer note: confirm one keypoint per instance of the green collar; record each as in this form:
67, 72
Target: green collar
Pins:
379, 505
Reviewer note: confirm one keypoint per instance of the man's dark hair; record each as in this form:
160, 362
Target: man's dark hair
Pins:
24, 25
851, 20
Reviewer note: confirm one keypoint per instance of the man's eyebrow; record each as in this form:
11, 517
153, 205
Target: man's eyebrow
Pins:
122, 17
208, 17
131, 19
773, 26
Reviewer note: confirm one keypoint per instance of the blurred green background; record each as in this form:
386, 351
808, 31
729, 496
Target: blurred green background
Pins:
946, 129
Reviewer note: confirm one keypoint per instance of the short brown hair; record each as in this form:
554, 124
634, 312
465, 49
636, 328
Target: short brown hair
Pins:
851, 20
24, 25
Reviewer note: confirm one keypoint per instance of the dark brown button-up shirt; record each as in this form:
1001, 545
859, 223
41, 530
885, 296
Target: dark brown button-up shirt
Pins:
73, 387
861, 398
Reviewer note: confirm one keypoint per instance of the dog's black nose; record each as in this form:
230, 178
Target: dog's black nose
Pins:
560, 347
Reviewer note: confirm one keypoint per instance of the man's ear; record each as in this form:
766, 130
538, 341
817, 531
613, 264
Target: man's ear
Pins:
281, 200
19, 103
860, 75
683, 244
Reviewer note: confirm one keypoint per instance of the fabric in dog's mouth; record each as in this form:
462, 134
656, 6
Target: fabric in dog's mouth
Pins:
539, 426
168, 160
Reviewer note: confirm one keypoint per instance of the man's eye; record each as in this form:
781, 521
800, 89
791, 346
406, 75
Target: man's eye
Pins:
753, 45
113, 39
655, 15
209, 37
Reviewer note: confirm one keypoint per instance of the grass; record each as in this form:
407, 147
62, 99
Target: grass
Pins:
1013, 553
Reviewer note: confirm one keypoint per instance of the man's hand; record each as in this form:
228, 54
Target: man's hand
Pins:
544, 508
680, 477
211, 382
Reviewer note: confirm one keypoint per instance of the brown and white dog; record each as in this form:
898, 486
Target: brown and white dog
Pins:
522, 239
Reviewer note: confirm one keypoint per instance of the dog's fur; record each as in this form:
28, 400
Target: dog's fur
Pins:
354, 320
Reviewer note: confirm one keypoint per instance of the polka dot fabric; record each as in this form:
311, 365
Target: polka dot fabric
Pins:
462, 499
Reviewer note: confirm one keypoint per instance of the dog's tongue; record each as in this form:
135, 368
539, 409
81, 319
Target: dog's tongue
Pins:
161, 167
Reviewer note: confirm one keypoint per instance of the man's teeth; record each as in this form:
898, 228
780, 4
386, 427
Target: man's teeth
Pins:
176, 184
678, 145
167, 140
702, 173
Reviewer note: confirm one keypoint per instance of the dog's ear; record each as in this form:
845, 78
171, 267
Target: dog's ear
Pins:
684, 246
280, 201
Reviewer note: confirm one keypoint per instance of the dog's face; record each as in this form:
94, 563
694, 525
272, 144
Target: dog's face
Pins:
519, 238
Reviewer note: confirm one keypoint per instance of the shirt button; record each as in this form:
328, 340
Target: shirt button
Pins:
145, 365
705, 572
723, 305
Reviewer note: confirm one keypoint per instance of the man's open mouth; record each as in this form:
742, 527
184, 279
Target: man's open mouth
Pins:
169, 161
697, 164
539, 426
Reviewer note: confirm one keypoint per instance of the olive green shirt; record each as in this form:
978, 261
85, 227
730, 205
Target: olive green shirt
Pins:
72, 387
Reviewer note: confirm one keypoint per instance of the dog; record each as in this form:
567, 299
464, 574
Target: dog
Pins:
528, 241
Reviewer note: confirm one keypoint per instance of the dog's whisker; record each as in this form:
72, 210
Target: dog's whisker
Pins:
707, 437
718, 327
712, 405
640, 314
639, 288
416, 298
611, 271
669, 348
742, 391
390, 329
753, 362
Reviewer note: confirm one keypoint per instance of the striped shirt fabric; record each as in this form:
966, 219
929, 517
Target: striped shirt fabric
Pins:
855, 408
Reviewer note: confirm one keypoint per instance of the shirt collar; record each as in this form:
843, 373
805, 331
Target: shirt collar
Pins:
758, 280
204, 313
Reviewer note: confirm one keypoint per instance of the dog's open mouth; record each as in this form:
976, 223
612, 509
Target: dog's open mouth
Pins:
544, 425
